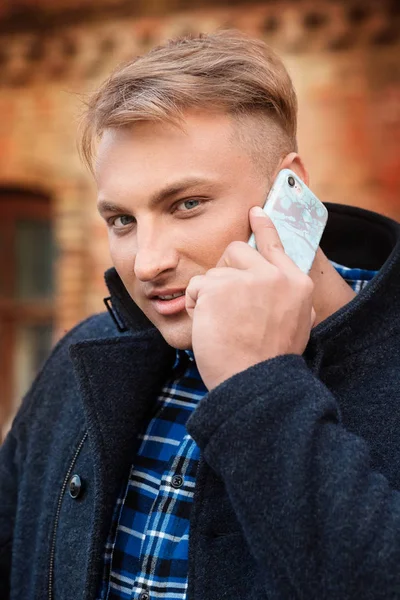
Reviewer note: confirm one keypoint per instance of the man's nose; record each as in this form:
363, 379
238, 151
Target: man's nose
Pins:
154, 256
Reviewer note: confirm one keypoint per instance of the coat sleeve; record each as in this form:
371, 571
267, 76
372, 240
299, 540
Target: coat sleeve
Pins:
312, 510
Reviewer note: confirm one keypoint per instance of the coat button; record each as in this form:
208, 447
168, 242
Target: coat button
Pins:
144, 596
75, 486
177, 481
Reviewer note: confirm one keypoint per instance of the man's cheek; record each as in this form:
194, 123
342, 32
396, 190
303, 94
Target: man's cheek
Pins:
122, 253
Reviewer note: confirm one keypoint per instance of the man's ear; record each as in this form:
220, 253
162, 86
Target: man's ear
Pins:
293, 162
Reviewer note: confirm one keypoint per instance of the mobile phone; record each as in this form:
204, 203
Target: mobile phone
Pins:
298, 216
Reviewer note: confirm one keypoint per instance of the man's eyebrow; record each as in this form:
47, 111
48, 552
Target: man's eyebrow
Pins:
103, 206
179, 187
166, 193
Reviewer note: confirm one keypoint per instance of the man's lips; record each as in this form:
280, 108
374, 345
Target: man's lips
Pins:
165, 305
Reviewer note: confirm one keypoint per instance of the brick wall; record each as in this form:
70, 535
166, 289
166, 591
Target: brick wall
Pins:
343, 58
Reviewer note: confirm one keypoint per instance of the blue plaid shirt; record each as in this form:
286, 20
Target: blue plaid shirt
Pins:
146, 555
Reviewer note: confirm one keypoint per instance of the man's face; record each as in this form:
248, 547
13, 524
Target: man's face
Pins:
173, 200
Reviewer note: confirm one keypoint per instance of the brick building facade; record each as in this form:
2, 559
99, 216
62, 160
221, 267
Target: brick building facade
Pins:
343, 58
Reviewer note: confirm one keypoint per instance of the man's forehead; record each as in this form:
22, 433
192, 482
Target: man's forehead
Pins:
198, 133
149, 158
188, 125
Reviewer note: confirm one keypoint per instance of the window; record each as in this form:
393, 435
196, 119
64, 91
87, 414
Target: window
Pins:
26, 293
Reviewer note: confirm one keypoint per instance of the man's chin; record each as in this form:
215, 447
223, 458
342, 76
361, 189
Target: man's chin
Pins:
175, 329
177, 335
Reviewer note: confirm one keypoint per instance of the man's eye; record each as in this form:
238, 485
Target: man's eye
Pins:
188, 204
122, 221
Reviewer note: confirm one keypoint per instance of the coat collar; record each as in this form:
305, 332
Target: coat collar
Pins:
359, 238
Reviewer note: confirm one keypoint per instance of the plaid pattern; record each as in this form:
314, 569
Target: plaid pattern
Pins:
148, 547
147, 551
356, 278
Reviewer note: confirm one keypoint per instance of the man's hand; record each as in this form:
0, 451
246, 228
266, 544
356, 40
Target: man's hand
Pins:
254, 305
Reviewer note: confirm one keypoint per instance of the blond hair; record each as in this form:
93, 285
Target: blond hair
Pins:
224, 71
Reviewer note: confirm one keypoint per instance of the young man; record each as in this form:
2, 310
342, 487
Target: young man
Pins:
232, 431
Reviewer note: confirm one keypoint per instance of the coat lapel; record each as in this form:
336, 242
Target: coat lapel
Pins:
118, 379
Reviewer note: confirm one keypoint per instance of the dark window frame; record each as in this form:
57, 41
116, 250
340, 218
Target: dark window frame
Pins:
16, 205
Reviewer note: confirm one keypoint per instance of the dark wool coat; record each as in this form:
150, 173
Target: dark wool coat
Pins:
297, 488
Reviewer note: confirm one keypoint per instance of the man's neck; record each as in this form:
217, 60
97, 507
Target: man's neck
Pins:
331, 292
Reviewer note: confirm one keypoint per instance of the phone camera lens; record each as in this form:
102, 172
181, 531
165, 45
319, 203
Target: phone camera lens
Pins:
291, 181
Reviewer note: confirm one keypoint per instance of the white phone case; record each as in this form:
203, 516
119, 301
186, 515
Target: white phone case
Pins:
298, 216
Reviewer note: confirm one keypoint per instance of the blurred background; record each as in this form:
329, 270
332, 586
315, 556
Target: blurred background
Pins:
343, 56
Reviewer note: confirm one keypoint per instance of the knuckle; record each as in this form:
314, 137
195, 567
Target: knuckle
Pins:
252, 278
277, 277
306, 284
213, 272
235, 247
196, 279
200, 301
270, 277
275, 246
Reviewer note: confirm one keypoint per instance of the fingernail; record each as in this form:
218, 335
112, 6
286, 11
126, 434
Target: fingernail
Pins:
257, 211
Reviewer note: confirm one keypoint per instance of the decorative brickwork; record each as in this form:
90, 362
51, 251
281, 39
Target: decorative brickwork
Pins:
291, 27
